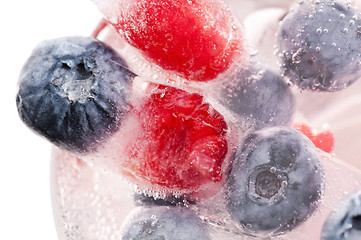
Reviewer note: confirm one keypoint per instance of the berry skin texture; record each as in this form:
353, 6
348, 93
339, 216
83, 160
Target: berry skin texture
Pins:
319, 44
181, 144
175, 223
196, 39
74, 91
344, 222
275, 182
259, 95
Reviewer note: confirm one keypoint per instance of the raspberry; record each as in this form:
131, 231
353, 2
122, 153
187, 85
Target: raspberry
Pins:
196, 39
182, 143
324, 140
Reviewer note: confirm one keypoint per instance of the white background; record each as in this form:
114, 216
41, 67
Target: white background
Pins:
25, 206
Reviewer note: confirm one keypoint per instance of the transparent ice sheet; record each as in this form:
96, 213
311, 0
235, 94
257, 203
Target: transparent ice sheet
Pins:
89, 204
92, 203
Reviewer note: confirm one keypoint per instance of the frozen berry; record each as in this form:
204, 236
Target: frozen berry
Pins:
319, 43
142, 199
181, 144
196, 39
324, 140
344, 222
173, 223
260, 96
74, 91
275, 182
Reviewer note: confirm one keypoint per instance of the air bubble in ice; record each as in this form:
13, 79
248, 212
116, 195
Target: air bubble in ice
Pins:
318, 30
296, 58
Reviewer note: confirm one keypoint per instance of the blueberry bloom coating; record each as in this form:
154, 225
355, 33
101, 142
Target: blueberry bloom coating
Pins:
161, 222
259, 95
344, 222
276, 181
319, 44
74, 91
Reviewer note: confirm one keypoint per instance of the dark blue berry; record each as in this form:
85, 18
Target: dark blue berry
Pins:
142, 199
161, 222
275, 182
260, 96
344, 223
319, 44
74, 91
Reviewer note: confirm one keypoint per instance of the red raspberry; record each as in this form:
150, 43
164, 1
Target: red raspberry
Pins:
197, 39
324, 140
182, 143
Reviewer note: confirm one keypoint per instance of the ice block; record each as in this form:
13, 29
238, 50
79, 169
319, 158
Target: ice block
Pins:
167, 114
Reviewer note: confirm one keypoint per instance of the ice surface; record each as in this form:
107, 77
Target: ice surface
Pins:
162, 222
92, 204
261, 27
337, 112
244, 8
87, 204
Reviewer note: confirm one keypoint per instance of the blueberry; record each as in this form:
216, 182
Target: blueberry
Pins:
319, 44
74, 91
275, 182
142, 199
260, 95
344, 223
161, 222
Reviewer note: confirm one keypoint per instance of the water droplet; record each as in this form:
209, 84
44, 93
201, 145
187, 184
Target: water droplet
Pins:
345, 30
318, 30
352, 22
318, 49
325, 30
342, 15
333, 44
